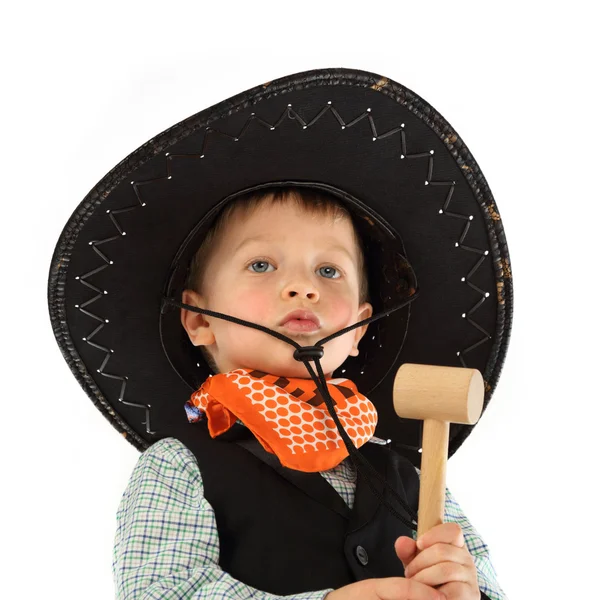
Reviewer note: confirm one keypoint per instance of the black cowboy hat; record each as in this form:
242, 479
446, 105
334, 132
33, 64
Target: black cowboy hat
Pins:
429, 224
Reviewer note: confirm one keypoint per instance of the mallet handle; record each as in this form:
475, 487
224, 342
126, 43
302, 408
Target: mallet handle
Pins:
435, 444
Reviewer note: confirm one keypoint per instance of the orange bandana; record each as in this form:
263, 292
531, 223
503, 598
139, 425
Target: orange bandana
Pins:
288, 416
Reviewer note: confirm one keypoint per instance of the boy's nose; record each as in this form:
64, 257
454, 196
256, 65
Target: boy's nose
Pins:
302, 289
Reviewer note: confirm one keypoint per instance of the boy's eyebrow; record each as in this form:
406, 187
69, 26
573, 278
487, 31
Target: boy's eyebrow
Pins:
342, 249
258, 238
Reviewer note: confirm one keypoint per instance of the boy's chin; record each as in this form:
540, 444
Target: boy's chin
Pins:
281, 362
295, 370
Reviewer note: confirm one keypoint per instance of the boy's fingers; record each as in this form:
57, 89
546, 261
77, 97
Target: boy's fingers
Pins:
442, 573
406, 550
398, 587
439, 554
445, 533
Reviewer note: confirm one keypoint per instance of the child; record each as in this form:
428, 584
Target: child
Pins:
256, 496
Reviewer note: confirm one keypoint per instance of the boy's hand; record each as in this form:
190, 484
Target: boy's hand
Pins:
440, 559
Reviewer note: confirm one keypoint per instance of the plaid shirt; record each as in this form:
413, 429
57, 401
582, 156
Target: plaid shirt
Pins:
166, 543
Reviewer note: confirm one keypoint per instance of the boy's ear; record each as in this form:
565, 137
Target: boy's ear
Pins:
195, 324
365, 310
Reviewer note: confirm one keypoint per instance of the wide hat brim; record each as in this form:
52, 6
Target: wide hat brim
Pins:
355, 133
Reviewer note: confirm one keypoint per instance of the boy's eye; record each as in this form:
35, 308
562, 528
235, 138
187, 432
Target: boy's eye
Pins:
329, 272
261, 266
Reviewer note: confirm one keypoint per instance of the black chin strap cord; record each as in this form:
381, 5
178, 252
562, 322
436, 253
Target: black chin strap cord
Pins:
306, 354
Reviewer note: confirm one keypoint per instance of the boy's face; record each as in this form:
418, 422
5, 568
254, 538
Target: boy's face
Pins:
278, 260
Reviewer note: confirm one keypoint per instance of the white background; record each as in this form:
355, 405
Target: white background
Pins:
85, 84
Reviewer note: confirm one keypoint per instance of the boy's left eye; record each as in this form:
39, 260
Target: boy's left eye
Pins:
329, 272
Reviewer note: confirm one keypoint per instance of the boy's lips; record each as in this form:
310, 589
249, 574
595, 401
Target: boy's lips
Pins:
301, 320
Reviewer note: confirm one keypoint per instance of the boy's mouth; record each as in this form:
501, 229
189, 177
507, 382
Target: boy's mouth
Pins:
301, 320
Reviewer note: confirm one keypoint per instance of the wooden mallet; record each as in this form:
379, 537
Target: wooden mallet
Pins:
438, 396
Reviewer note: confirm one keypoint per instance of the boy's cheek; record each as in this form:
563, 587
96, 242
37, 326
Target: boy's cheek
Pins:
254, 305
339, 312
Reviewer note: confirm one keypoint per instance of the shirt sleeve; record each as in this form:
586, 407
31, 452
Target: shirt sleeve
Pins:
487, 577
166, 544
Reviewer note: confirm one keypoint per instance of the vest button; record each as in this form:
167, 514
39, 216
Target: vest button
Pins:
361, 555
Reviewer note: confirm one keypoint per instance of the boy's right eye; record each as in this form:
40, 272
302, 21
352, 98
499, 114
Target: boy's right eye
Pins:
260, 266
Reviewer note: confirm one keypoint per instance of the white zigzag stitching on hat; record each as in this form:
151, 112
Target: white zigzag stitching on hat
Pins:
103, 322
291, 114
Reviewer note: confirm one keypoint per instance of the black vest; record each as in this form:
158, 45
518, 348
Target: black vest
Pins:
284, 531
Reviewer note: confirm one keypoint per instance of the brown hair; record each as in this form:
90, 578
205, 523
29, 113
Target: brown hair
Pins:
312, 201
